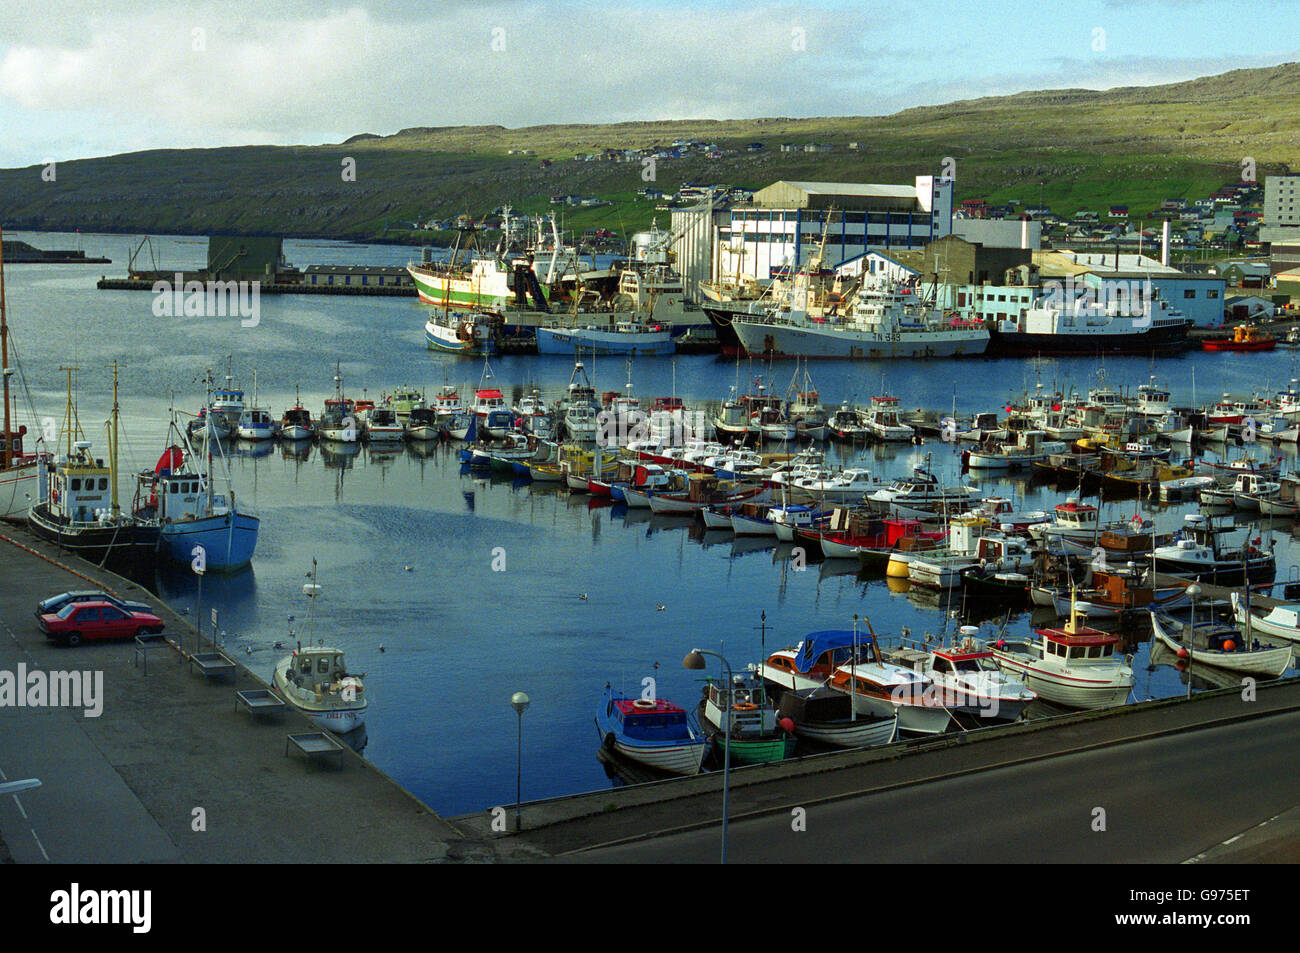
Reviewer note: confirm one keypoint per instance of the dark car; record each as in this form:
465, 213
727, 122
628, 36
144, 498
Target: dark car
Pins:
55, 604
78, 621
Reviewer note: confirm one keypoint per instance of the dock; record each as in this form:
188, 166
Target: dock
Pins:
174, 769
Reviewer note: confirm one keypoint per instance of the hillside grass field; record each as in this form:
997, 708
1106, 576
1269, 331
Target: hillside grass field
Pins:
1068, 149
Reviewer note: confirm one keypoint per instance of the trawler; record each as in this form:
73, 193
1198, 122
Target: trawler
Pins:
79, 509
882, 320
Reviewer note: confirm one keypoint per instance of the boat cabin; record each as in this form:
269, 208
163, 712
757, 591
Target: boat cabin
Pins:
1077, 643
821, 653
648, 720
1075, 515
78, 487
318, 668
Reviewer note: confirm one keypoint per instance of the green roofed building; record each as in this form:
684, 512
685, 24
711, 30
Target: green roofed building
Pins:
245, 258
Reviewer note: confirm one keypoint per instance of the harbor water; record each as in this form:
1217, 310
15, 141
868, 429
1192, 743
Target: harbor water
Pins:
452, 590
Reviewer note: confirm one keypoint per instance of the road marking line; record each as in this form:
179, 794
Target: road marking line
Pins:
1231, 839
40, 845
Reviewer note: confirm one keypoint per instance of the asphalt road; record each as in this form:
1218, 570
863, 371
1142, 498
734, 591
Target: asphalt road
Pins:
1165, 800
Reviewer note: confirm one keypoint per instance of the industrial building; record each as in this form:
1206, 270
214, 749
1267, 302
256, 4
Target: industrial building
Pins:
786, 222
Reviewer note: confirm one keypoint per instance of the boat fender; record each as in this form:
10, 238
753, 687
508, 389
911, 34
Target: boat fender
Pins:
608, 741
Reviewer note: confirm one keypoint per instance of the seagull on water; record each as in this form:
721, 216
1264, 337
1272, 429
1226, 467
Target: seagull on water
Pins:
582, 596
660, 606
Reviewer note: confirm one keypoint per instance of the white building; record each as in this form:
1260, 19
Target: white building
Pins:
786, 221
1281, 223
1199, 297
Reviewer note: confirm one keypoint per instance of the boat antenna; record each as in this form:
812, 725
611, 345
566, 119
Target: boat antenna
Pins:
311, 590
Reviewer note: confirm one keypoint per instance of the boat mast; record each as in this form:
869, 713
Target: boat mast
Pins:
4, 362
112, 445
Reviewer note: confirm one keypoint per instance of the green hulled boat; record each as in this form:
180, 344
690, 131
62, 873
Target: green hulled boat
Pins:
756, 733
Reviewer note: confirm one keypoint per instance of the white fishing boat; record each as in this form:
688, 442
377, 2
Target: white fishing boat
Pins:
883, 423
625, 338
1029, 448
383, 426
1072, 665
314, 679
256, 424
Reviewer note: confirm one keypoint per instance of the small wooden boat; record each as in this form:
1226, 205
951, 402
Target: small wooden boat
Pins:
828, 716
654, 732
1223, 646
757, 733
315, 680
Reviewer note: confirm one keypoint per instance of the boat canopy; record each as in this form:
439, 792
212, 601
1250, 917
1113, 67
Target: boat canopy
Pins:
816, 644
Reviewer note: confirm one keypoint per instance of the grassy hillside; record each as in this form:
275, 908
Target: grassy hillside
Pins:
1071, 149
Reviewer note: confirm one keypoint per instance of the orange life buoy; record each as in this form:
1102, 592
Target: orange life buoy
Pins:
744, 706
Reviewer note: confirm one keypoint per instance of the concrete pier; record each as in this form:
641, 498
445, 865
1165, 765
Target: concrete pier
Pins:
169, 748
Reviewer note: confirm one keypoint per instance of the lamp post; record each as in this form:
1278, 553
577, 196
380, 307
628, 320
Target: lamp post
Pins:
519, 702
695, 660
1193, 593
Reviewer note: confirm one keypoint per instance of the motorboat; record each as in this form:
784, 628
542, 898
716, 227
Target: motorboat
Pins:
314, 679
256, 423
651, 731
1072, 665
743, 708
967, 677
1199, 551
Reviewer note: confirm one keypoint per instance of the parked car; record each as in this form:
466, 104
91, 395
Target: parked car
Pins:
77, 621
55, 603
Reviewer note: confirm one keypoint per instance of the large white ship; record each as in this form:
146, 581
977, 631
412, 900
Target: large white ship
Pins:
881, 320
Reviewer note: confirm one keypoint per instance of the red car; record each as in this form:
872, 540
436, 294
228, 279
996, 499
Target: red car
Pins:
97, 620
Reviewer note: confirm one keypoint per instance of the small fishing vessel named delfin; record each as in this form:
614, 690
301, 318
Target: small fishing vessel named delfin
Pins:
654, 732
338, 422
757, 734
314, 679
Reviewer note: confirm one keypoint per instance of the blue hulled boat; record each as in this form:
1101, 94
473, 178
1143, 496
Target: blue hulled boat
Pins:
656, 733
180, 501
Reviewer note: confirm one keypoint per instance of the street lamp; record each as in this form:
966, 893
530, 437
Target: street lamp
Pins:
1193, 593
695, 660
519, 702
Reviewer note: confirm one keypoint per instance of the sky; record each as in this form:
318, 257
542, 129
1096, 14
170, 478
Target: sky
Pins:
81, 78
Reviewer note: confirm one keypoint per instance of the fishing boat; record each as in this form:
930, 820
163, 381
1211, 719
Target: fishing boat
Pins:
654, 732
403, 400
878, 687
757, 734
296, 422
180, 500
338, 422
624, 338
1223, 646
314, 679
882, 421
1281, 622
19, 485
468, 333
847, 425
1245, 337
882, 320
383, 426
423, 423
1072, 665
1200, 552
255, 423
